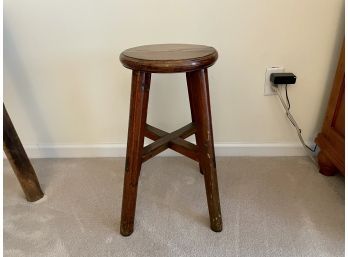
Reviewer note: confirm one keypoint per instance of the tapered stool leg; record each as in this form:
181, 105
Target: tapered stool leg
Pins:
191, 94
20, 162
199, 81
137, 120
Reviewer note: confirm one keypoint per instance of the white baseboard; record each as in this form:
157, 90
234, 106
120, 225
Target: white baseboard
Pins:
119, 150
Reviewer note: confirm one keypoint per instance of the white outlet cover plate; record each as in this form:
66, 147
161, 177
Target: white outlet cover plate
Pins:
268, 84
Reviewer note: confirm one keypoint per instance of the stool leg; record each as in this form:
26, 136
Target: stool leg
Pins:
199, 80
20, 162
190, 89
135, 143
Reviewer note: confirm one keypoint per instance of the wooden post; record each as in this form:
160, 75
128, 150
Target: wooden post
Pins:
20, 162
191, 93
199, 80
135, 143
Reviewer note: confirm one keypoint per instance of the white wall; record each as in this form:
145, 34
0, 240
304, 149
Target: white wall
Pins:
64, 84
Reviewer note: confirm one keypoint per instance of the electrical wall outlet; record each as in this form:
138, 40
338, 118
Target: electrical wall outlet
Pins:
268, 84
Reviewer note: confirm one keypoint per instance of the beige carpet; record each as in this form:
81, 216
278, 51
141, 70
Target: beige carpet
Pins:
270, 206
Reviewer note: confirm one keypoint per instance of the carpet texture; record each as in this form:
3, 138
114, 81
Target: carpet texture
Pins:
270, 207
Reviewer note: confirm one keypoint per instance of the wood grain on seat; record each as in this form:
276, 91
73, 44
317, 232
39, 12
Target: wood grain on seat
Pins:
169, 58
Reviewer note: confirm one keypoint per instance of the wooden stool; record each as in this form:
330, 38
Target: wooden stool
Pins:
170, 58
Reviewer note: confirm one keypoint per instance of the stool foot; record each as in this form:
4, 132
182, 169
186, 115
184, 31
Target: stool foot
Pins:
126, 229
201, 106
135, 143
216, 226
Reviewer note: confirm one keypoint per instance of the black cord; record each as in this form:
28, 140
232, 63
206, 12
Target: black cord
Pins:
287, 99
312, 150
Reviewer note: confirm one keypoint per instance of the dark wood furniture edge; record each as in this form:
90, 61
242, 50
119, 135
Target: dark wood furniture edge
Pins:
330, 140
330, 152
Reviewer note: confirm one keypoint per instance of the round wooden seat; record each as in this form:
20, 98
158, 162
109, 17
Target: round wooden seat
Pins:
169, 58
